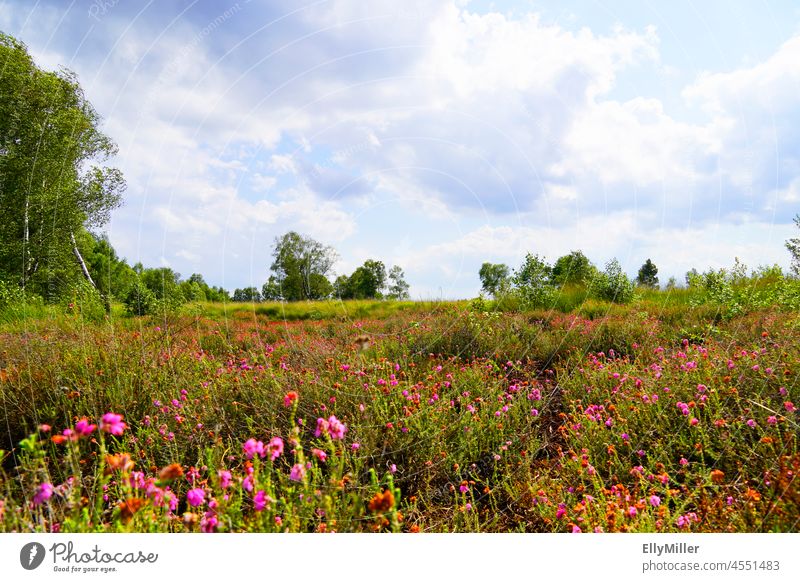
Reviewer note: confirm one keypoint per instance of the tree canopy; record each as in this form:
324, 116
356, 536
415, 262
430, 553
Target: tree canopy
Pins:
300, 269
53, 183
648, 274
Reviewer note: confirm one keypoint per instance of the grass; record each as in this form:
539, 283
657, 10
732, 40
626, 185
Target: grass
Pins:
656, 416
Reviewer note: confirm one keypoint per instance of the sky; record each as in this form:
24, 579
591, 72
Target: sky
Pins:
439, 134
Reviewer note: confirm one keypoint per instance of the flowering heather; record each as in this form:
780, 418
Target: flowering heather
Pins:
607, 419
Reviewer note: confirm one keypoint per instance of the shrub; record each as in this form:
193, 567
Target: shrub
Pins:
613, 284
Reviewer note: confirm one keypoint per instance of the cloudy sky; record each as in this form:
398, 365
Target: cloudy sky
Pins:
437, 135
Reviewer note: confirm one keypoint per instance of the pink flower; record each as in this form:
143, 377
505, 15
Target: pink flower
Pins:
336, 428
320, 454
772, 420
44, 427
112, 423
576, 529
195, 497
655, 500
44, 493
275, 448
224, 478
694, 422
355, 446
83, 428
683, 462
261, 500
751, 423
322, 427
789, 406
297, 473
632, 511
252, 447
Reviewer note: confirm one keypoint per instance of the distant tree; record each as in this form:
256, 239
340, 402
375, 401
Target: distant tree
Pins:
300, 268
572, 269
218, 294
398, 288
793, 246
648, 275
366, 282
163, 282
247, 295
613, 284
532, 281
672, 283
494, 278
692, 275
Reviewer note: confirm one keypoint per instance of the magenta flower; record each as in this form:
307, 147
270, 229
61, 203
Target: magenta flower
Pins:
261, 500
44, 493
253, 447
320, 454
772, 420
297, 473
196, 497
655, 500
224, 478
83, 428
683, 462
112, 423
275, 448
632, 511
576, 529
751, 423
789, 406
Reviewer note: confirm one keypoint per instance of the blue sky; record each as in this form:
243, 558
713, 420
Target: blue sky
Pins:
440, 134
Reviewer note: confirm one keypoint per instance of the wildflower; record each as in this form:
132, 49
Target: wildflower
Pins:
468, 507
290, 398
195, 497
632, 511
393, 468
274, 448
319, 454
576, 529
83, 428
44, 493
683, 462
789, 406
261, 500
322, 427
278, 520
772, 420
224, 478
717, 476
297, 473
382, 501
694, 421
464, 487
252, 447
170, 472
355, 446
112, 423
336, 428
44, 427
120, 462
129, 507
751, 423
655, 500
625, 437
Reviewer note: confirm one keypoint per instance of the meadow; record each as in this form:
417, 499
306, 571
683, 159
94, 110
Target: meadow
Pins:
663, 415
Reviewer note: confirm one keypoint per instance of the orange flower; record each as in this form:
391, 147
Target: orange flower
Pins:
170, 472
381, 502
717, 476
119, 462
129, 507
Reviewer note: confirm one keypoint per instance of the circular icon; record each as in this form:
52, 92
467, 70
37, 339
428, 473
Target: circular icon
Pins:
31, 555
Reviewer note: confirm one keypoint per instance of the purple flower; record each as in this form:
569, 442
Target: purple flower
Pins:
252, 447
655, 500
84, 428
261, 500
275, 448
196, 497
297, 473
44, 493
224, 478
112, 423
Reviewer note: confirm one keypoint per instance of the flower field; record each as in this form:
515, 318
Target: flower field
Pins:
439, 418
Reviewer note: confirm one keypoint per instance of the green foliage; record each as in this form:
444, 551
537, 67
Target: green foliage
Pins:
247, 295
140, 300
613, 284
50, 184
300, 268
366, 282
648, 275
793, 246
572, 269
532, 282
85, 302
398, 287
494, 278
